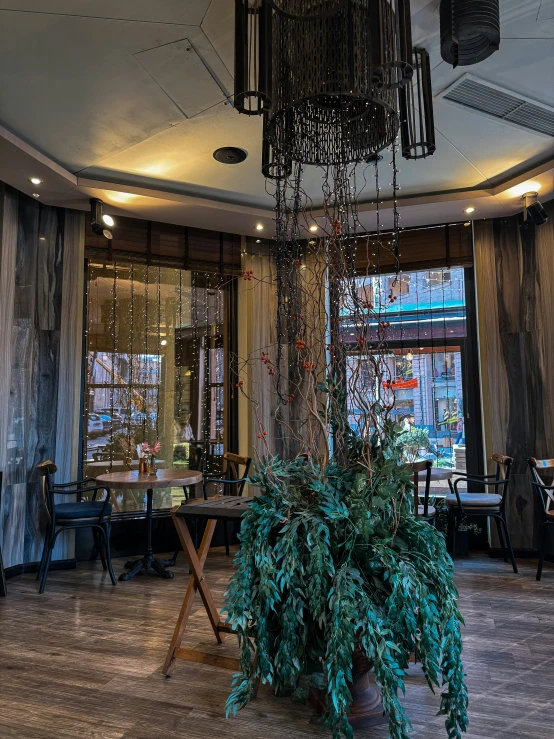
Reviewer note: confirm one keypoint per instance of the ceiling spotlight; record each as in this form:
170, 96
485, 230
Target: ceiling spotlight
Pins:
35, 180
258, 241
259, 227
533, 209
108, 220
469, 210
163, 342
97, 220
314, 228
36, 195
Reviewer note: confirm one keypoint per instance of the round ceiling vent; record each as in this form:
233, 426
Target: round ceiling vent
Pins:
230, 155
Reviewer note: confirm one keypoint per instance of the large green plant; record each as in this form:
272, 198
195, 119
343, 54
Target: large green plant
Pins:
332, 557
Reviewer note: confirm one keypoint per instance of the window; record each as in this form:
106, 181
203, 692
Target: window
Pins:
155, 370
424, 360
399, 285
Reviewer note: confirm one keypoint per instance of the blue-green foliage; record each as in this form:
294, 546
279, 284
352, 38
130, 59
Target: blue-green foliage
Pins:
331, 558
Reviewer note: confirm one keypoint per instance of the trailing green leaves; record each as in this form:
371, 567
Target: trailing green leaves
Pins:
332, 560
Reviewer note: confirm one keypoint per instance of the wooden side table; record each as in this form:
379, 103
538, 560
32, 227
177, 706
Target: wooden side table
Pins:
214, 510
133, 480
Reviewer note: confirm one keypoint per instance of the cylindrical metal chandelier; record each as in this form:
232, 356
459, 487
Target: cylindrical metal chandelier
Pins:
470, 30
336, 70
252, 56
417, 126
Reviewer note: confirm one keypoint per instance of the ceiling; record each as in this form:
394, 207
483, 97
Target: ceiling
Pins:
127, 100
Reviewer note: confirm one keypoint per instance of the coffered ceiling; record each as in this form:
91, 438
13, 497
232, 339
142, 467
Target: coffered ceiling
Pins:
128, 99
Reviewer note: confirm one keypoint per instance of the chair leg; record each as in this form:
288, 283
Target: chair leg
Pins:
508, 540
46, 567
501, 538
43, 556
542, 547
451, 535
105, 538
226, 535
100, 548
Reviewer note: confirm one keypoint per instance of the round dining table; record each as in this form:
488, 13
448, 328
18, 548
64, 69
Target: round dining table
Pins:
135, 480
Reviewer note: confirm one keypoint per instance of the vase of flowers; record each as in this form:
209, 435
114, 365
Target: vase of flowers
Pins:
149, 455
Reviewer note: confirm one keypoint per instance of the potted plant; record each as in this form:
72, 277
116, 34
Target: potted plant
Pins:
333, 567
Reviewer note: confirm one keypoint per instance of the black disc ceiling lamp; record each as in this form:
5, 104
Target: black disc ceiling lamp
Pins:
470, 30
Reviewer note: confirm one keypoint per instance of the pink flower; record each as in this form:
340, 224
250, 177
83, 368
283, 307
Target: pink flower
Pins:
151, 451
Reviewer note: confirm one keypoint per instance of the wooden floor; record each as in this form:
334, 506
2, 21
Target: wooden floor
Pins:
83, 660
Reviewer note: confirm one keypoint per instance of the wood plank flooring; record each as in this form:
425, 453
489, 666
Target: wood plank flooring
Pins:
84, 660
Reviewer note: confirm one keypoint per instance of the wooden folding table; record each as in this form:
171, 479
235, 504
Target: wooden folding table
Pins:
212, 510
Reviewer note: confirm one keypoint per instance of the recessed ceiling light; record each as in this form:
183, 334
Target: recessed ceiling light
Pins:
230, 155
519, 190
469, 210
35, 180
108, 220
259, 227
36, 195
313, 228
258, 241
163, 342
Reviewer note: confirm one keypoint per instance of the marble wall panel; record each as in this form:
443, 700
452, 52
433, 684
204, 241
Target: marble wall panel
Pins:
42, 277
514, 263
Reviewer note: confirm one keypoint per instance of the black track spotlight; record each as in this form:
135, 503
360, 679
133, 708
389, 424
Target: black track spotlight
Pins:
534, 210
101, 224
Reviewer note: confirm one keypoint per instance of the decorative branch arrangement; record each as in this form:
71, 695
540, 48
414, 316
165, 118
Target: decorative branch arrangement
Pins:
334, 570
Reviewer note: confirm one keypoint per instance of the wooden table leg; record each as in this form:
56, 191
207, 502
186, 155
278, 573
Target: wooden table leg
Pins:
193, 586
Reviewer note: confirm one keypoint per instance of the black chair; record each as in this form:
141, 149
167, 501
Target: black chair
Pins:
3, 586
546, 494
490, 505
232, 480
425, 511
93, 513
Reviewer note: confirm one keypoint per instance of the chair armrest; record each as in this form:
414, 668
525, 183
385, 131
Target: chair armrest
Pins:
76, 482
479, 481
541, 486
478, 478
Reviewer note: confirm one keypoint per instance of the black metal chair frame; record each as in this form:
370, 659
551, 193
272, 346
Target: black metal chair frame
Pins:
428, 467
501, 485
3, 586
228, 481
546, 494
100, 526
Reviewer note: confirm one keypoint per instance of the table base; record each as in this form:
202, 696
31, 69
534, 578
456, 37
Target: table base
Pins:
148, 562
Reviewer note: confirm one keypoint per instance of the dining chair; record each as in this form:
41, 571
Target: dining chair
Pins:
425, 511
546, 495
233, 480
490, 505
3, 586
94, 514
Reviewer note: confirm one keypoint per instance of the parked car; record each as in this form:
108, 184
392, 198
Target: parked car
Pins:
139, 417
110, 421
116, 417
95, 425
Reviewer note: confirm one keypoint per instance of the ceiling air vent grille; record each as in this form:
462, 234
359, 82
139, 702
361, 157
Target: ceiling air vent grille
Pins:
495, 102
